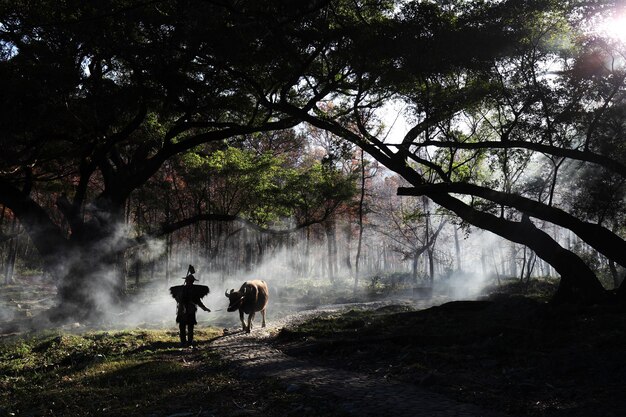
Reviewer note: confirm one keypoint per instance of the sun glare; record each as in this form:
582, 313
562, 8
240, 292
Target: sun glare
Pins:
614, 28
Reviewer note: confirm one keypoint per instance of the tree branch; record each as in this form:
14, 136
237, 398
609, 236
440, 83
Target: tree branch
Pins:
169, 228
585, 156
603, 240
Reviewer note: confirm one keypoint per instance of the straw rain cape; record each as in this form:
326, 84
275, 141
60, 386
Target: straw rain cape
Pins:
191, 293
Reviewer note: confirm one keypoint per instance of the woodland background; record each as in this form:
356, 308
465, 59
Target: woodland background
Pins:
367, 143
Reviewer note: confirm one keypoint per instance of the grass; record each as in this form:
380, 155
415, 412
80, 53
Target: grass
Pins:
94, 373
511, 353
133, 372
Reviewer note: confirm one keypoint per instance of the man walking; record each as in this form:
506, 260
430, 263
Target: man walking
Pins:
188, 299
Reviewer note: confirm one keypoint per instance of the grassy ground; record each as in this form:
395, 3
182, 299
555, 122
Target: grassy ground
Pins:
139, 373
511, 353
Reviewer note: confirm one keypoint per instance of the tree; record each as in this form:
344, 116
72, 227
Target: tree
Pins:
500, 108
97, 97
101, 97
409, 228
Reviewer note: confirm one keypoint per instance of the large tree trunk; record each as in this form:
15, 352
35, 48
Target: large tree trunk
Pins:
85, 266
91, 287
600, 238
93, 281
578, 282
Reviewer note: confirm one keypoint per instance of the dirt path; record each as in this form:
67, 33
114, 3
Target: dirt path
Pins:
354, 393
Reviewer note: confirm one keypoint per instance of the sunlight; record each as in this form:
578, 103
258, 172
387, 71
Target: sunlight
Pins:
614, 28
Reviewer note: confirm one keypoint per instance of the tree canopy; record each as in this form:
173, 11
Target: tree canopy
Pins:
541, 97
515, 110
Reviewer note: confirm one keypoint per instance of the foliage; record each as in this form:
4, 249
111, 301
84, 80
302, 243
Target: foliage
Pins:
390, 283
127, 373
102, 99
266, 188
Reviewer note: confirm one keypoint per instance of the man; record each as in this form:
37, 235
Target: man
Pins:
187, 302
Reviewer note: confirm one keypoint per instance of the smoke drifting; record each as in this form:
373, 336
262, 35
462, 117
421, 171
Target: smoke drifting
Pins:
292, 289
300, 274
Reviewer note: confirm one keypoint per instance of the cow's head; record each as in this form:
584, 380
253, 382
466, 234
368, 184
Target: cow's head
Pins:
235, 299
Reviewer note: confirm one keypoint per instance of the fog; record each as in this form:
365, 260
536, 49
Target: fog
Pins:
296, 281
291, 290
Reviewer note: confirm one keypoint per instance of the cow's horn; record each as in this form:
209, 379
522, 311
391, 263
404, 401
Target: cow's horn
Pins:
226, 293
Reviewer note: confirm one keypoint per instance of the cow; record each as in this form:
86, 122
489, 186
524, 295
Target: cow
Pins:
251, 297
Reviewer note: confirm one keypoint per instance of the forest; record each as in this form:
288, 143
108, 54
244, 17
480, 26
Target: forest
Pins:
345, 151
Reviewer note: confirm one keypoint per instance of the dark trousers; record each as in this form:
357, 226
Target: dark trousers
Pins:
186, 333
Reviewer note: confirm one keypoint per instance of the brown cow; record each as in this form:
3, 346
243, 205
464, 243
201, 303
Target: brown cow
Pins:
251, 297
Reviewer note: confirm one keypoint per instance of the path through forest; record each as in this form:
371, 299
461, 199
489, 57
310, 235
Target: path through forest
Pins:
360, 394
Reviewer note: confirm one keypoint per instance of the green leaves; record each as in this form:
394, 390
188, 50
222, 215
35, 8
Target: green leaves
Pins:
265, 188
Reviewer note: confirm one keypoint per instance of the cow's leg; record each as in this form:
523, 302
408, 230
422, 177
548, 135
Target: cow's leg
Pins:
243, 323
263, 315
250, 319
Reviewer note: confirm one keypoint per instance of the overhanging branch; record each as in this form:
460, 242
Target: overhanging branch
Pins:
584, 156
603, 240
169, 228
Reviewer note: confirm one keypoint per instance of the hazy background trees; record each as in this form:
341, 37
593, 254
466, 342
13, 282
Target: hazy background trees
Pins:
141, 137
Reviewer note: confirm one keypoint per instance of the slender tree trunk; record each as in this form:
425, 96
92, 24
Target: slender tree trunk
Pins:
521, 277
357, 260
9, 268
247, 246
513, 260
307, 252
495, 268
483, 262
457, 248
532, 259
331, 249
348, 247
137, 272
555, 173
168, 241
168, 256
431, 264
614, 274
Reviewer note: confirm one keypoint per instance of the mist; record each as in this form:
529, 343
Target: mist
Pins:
297, 281
301, 270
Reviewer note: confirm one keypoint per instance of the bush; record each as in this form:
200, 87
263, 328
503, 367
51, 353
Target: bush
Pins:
384, 284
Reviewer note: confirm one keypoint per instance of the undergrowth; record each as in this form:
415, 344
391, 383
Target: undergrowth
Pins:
134, 372
93, 373
512, 351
